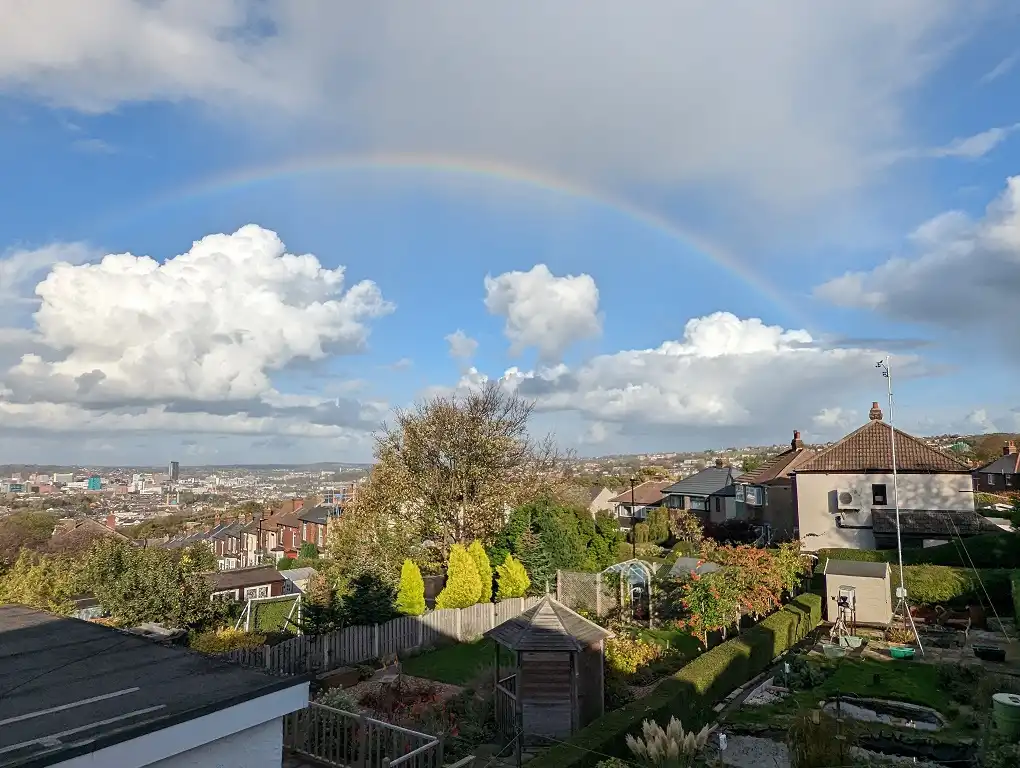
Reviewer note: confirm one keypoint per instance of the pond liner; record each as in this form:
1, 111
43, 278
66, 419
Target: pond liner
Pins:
887, 742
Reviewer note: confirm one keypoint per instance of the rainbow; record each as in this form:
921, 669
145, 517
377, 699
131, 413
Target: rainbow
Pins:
451, 165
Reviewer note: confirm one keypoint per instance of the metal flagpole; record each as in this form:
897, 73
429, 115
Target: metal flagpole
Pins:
901, 590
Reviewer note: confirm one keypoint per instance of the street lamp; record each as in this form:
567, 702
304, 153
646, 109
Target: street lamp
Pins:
633, 513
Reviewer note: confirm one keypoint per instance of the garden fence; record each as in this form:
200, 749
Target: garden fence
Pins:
598, 594
360, 644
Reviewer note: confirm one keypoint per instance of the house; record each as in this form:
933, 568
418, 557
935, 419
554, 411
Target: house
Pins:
225, 541
633, 504
765, 495
77, 535
710, 493
247, 583
844, 494
314, 523
1001, 475
600, 499
82, 695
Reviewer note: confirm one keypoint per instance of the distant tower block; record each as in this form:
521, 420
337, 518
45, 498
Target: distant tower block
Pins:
174, 471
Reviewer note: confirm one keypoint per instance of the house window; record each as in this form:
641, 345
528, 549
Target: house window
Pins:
991, 478
674, 501
322, 529
878, 498
699, 503
256, 592
304, 531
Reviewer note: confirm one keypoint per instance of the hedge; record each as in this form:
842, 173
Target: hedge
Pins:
1015, 589
690, 693
942, 585
989, 550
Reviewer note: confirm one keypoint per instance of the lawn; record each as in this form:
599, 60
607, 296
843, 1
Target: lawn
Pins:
676, 639
455, 664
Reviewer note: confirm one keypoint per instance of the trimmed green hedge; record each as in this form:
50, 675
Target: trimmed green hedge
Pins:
691, 692
942, 585
989, 550
1015, 589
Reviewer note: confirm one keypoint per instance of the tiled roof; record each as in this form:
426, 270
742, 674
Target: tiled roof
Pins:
244, 577
704, 483
647, 493
1004, 465
778, 466
317, 514
868, 448
549, 626
936, 522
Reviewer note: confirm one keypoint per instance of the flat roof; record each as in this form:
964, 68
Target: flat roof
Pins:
860, 568
69, 687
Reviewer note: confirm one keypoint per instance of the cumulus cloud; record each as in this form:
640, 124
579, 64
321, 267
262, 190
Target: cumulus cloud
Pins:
192, 343
764, 98
725, 375
957, 273
543, 311
20, 266
462, 346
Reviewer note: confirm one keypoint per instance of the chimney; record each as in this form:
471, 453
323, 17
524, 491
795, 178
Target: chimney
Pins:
876, 412
216, 520
796, 442
719, 462
1009, 448
111, 522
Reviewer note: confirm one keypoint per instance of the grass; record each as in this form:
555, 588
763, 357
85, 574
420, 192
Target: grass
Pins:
455, 664
676, 639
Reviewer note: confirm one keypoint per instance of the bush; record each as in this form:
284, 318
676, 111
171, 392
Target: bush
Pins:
224, 640
640, 533
370, 600
411, 595
1015, 590
658, 525
690, 693
626, 655
308, 551
511, 579
462, 583
477, 552
339, 698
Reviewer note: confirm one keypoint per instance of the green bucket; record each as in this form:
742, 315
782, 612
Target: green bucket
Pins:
1006, 712
901, 652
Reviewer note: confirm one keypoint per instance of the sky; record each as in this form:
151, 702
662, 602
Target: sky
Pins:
244, 231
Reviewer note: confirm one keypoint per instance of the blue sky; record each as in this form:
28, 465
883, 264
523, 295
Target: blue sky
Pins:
699, 228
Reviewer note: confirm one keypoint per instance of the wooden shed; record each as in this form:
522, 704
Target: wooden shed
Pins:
872, 590
555, 681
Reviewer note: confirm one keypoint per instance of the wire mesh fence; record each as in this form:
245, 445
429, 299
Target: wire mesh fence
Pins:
598, 594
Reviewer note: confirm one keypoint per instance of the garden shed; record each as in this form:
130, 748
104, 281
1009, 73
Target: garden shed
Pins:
872, 590
556, 683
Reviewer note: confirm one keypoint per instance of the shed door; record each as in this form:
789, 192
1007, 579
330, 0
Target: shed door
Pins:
545, 693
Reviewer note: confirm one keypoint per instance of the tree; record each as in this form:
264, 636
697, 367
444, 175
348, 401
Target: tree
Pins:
535, 560
369, 539
308, 551
511, 579
709, 602
484, 567
751, 463
140, 585
31, 530
46, 582
658, 525
370, 600
686, 526
462, 583
451, 466
320, 611
411, 595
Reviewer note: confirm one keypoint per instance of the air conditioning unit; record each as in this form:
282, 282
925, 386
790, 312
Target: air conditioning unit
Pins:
848, 499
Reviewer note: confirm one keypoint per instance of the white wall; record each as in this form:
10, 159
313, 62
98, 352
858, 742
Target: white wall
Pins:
258, 747
817, 507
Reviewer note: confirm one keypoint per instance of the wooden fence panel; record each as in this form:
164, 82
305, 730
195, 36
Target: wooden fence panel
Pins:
399, 635
475, 621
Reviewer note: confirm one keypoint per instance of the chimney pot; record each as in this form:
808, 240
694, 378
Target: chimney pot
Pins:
876, 412
796, 442
718, 462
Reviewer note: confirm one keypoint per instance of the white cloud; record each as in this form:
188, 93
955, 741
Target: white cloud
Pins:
978, 145
764, 99
18, 267
190, 344
1005, 66
725, 378
958, 273
543, 311
462, 346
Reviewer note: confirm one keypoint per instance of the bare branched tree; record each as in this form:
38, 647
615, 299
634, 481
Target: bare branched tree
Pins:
451, 468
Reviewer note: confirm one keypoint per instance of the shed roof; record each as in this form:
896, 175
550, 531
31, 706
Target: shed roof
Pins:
856, 568
244, 577
684, 566
932, 522
549, 626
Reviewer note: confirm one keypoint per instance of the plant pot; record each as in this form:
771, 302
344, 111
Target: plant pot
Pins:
832, 651
989, 653
901, 651
851, 641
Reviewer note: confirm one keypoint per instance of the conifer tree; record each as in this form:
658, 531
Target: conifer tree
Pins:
411, 595
512, 580
462, 583
477, 552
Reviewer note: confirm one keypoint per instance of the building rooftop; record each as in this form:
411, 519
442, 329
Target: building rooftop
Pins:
707, 482
71, 687
648, 493
549, 626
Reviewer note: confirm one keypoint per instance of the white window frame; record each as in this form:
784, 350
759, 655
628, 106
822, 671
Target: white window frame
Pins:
254, 593
697, 503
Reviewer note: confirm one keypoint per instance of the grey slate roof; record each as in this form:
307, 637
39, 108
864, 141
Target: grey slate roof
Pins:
1004, 465
855, 568
299, 574
549, 626
685, 565
936, 522
317, 514
708, 481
